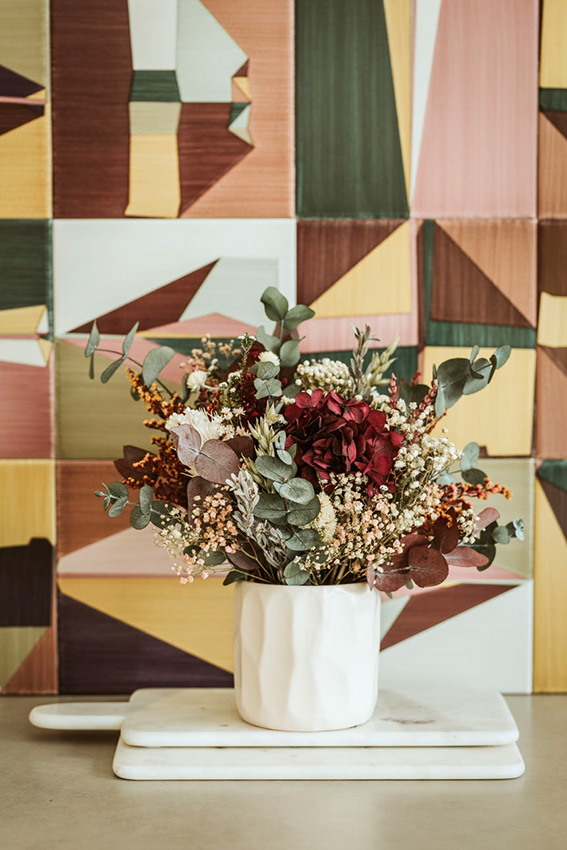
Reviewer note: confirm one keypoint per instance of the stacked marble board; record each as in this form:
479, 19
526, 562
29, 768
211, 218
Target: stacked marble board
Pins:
196, 733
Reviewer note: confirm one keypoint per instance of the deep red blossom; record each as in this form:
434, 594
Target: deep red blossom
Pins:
333, 434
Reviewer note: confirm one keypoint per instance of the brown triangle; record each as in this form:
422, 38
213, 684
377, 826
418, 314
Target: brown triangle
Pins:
159, 307
14, 115
461, 292
551, 406
428, 609
243, 71
552, 170
37, 674
559, 121
558, 355
557, 499
327, 249
552, 257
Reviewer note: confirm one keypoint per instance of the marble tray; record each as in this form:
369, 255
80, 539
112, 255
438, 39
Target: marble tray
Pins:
266, 763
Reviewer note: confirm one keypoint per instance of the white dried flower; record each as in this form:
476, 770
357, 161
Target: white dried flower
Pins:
269, 357
197, 379
209, 426
326, 520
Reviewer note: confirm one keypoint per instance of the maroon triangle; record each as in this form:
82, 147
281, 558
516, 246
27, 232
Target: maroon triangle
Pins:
461, 291
99, 654
207, 148
14, 115
163, 306
435, 606
327, 249
557, 499
558, 355
559, 121
243, 71
13, 84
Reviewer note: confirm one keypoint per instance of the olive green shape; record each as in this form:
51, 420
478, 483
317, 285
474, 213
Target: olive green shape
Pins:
348, 152
155, 87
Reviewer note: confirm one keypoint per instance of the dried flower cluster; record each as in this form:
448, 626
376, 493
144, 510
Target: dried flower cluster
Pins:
316, 472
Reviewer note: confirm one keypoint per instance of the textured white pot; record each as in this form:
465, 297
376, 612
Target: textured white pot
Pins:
306, 658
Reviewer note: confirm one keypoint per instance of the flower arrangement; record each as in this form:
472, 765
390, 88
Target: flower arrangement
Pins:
314, 472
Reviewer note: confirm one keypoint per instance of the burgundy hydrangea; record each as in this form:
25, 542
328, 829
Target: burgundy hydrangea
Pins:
333, 434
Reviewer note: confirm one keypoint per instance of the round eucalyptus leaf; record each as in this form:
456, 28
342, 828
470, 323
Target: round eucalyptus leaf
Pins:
117, 507
298, 490
138, 519
275, 304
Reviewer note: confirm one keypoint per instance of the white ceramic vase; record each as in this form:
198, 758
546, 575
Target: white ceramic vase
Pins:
306, 658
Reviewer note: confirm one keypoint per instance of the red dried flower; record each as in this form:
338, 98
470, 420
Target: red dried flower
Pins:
337, 435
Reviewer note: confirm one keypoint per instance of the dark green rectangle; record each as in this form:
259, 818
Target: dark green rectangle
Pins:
155, 86
348, 153
553, 100
25, 264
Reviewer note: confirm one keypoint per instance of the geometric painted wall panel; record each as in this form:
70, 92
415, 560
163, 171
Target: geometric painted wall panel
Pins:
180, 96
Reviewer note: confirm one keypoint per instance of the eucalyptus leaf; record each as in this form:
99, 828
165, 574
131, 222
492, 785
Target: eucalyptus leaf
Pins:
129, 339
266, 370
516, 528
474, 353
269, 506
501, 356
138, 519
268, 389
93, 341
270, 343
100, 494
298, 490
303, 539
470, 456
294, 575
284, 455
214, 559
154, 361
473, 476
289, 353
501, 535
118, 489
275, 469
296, 315
160, 516
146, 500
291, 390
91, 368
110, 370
304, 514
444, 479
275, 304
233, 576
439, 403
117, 507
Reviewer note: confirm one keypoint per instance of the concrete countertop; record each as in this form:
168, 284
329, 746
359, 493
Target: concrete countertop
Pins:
57, 790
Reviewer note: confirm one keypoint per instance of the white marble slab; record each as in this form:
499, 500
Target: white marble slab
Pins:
79, 715
436, 717
143, 763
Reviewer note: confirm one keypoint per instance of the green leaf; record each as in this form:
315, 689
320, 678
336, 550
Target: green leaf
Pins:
138, 519
274, 469
452, 376
501, 535
266, 370
146, 500
233, 576
134, 394
100, 494
291, 390
470, 456
160, 516
444, 478
304, 514
93, 341
303, 539
298, 490
214, 559
91, 368
110, 370
501, 356
296, 315
439, 403
473, 476
516, 528
118, 489
129, 339
289, 353
275, 304
284, 455
294, 575
474, 353
270, 506
118, 506
268, 389
270, 343
156, 360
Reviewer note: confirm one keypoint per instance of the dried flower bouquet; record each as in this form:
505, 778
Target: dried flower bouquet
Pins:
310, 472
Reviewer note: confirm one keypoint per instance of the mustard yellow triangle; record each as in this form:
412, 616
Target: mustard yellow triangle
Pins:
28, 505
25, 171
550, 599
552, 324
196, 618
45, 347
38, 95
553, 58
243, 83
154, 176
398, 24
21, 320
473, 418
16, 643
379, 283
